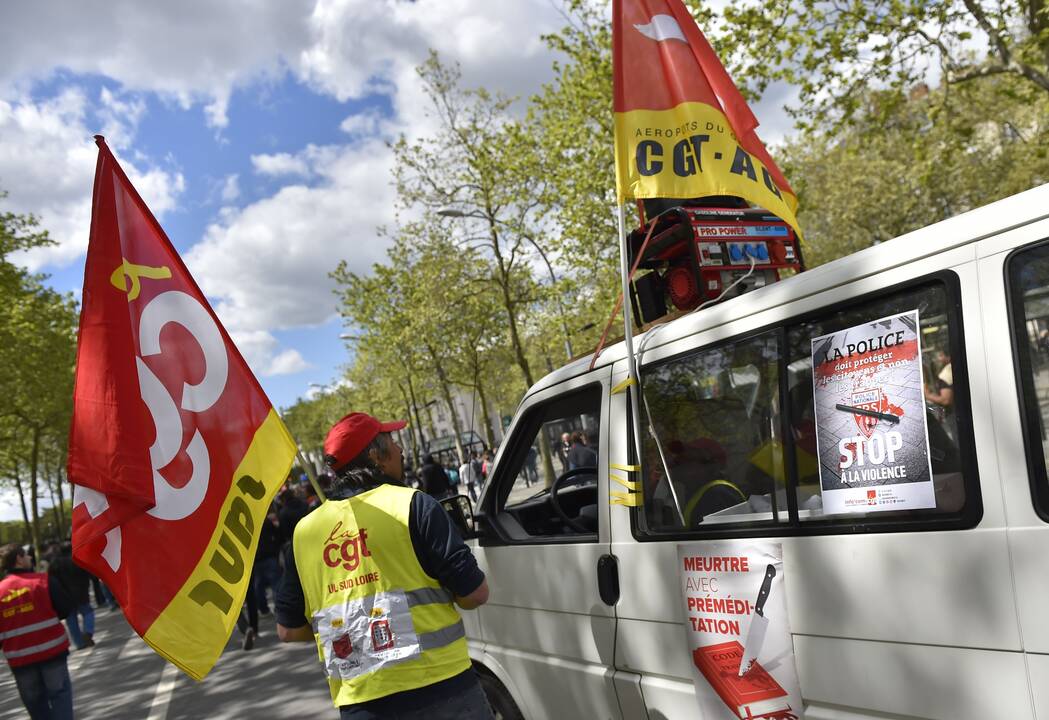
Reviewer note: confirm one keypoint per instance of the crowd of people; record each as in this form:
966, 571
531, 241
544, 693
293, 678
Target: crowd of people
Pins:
53, 591
443, 479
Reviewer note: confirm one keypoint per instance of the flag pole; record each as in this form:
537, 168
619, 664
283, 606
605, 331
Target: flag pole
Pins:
628, 334
628, 339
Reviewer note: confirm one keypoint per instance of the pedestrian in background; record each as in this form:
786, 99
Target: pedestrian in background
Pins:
32, 637
433, 480
477, 471
579, 455
466, 478
266, 572
77, 583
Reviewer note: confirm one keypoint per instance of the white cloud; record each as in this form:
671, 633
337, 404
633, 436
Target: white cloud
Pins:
268, 263
230, 188
47, 161
368, 123
196, 50
363, 47
280, 164
262, 352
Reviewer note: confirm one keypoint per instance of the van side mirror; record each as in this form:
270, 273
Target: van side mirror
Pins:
461, 514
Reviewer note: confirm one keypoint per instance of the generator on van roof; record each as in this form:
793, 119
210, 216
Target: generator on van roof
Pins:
698, 249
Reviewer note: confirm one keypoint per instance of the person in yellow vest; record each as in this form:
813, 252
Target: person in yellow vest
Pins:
373, 576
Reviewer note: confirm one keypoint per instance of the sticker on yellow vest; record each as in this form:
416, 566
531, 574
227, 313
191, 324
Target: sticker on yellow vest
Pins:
363, 635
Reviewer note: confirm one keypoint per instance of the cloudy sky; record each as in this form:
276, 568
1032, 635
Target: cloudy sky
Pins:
255, 131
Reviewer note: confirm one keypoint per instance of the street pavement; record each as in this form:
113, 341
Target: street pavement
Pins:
122, 678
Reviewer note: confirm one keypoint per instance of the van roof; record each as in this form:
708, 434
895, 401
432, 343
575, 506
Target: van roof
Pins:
997, 217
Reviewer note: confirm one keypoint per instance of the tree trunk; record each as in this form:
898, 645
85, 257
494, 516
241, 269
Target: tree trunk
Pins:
548, 458
21, 499
34, 467
489, 434
62, 503
59, 530
508, 304
418, 418
408, 405
442, 379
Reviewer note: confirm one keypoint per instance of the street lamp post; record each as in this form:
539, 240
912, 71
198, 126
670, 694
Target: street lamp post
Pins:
450, 212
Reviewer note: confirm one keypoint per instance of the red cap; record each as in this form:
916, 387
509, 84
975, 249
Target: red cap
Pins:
348, 437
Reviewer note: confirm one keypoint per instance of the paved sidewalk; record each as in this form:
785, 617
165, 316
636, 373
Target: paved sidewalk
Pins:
122, 678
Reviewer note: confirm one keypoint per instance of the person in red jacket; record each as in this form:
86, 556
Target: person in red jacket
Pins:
32, 637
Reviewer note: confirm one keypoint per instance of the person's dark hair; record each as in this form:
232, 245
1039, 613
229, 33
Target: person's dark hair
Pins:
362, 471
577, 437
9, 555
428, 459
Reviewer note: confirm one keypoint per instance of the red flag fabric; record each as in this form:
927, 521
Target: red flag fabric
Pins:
682, 128
174, 452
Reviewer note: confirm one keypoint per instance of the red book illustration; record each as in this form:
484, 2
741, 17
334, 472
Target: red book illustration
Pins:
755, 695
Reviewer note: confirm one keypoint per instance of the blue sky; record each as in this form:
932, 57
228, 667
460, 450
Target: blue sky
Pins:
260, 143
257, 134
271, 117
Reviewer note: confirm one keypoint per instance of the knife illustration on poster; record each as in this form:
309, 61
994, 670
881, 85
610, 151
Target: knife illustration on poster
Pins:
758, 624
741, 648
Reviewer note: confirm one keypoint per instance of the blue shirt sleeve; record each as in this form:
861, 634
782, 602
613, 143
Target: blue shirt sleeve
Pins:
440, 549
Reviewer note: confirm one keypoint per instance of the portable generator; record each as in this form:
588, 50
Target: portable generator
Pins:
698, 248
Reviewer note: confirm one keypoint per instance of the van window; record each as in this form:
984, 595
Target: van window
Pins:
717, 437
548, 485
735, 446
1028, 277
941, 416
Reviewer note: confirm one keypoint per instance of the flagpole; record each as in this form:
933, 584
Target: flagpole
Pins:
628, 339
628, 333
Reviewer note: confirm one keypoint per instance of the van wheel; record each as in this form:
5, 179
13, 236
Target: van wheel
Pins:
502, 704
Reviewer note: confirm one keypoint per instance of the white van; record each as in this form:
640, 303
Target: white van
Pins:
934, 613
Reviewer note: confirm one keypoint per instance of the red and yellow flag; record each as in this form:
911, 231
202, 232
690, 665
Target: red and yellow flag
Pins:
682, 128
174, 452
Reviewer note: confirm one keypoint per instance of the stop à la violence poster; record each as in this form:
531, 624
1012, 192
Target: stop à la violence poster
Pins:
872, 436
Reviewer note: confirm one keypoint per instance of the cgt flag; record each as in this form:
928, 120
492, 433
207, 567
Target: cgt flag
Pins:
682, 128
174, 450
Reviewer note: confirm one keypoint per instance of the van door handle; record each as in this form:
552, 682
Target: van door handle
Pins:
608, 579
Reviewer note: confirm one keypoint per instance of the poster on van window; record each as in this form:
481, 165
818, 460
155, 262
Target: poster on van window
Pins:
871, 431
735, 606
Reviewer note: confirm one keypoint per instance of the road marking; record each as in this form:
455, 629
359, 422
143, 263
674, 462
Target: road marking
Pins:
162, 698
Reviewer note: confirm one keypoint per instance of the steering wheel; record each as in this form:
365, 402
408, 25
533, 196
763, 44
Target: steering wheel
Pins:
561, 479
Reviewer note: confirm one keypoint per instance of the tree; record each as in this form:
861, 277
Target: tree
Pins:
472, 164
37, 352
901, 168
835, 52
572, 119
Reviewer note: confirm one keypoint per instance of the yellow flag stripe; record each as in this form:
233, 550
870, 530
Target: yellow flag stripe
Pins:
620, 387
194, 627
624, 468
690, 151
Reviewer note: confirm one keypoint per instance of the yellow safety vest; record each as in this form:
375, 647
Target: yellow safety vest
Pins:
381, 623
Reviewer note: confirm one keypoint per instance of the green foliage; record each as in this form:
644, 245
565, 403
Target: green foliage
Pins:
913, 163
835, 53
525, 253
37, 352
